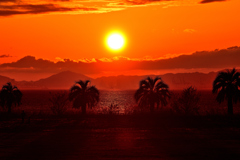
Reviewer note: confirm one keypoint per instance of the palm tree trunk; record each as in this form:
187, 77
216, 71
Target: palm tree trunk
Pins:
230, 106
84, 109
9, 109
152, 107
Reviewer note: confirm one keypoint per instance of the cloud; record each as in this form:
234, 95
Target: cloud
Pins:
21, 7
210, 1
8, 10
218, 59
4, 1
5, 56
189, 30
141, 2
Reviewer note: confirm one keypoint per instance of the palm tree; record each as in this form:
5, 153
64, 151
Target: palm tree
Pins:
9, 95
152, 92
83, 95
226, 85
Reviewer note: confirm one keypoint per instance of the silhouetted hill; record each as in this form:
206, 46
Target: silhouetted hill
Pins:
118, 82
4, 80
183, 80
175, 81
64, 80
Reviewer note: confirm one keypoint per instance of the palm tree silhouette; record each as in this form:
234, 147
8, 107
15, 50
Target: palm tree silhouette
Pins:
226, 85
9, 95
151, 92
83, 95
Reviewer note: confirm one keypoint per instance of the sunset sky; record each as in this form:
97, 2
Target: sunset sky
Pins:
75, 30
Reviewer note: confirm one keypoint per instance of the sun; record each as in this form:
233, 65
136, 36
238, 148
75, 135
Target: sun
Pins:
115, 41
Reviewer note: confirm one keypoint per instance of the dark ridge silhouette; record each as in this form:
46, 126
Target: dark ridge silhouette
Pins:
83, 95
226, 85
10, 95
152, 92
61, 80
176, 81
4, 80
215, 59
65, 79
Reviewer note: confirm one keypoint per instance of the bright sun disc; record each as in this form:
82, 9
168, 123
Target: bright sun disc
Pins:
115, 41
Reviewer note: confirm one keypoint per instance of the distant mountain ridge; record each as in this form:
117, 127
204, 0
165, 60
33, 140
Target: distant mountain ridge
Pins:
64, 80
175, 81
4, 79
61, 80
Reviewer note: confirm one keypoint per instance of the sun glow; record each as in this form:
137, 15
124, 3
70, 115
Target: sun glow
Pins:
115, 41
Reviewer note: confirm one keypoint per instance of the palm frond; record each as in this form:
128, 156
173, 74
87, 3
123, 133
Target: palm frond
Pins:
144, 84
80, 83
161, 86
156, 79
86, 83
75, 88
150, 81
152, 92
221, 96
83, 95
226, 85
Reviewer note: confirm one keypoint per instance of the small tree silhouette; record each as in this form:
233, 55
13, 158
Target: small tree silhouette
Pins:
59, 103
226, 85
152, 92
83, 95
10, 95
188, 102
113, 109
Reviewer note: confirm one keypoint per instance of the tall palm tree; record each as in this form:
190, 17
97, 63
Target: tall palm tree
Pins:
226, 85
83, 95
9, 95
152, 92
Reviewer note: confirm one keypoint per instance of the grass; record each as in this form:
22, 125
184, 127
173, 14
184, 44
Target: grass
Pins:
139, 136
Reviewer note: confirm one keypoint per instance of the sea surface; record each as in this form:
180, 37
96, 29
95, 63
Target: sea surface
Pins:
120, 102
120, 99
38, 100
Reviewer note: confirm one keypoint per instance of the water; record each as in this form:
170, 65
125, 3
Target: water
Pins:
38, 100
122, 99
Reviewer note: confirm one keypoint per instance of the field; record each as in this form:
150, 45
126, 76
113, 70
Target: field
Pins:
131, 135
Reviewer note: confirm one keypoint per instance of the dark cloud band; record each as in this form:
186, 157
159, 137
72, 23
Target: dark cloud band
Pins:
37, 9
210, 1
20, 7
5, 56
225, 58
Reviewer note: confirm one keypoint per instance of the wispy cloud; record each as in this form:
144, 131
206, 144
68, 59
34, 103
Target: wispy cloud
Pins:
189, 30
20, 7
5, 56
210, 1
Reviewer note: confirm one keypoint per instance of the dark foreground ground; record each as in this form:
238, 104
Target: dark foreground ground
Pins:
121, 137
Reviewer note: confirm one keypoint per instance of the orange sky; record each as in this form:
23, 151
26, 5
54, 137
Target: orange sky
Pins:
77, 30
151, 30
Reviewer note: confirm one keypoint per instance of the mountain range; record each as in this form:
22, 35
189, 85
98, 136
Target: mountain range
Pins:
66, 79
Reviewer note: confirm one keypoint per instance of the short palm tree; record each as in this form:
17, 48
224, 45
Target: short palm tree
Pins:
226, 85
152, 92
9, 95
83, 96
